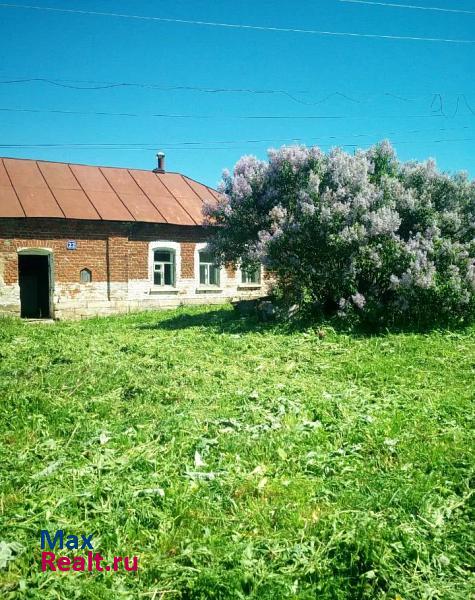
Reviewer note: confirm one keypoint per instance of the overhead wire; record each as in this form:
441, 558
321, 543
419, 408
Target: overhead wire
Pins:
437, 98
88, 85
261, 141
227, 148
177, 147
410, 6
220, 116
111, 85
240, 26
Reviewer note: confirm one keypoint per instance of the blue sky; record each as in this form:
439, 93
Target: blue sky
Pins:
415, 93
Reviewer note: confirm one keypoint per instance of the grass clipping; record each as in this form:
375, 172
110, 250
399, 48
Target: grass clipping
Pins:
237, 459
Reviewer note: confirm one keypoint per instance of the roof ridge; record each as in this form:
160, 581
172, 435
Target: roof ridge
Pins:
79, 164
47, 189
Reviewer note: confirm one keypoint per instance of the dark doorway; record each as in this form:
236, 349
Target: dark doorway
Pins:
33, 270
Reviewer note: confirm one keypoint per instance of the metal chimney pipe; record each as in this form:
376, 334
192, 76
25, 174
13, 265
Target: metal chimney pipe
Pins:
160, 163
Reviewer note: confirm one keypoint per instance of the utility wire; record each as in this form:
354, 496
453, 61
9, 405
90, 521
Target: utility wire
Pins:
240, 117
151, 148
237, 26
172, 145
105, 85
88, 85
102, 85
93, 85
410, 6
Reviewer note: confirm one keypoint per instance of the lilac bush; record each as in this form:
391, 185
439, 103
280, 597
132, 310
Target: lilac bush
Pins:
361, 236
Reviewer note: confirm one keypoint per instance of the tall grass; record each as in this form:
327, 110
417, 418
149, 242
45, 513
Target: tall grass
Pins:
237, 460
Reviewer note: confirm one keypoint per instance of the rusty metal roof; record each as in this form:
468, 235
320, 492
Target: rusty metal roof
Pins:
35, 188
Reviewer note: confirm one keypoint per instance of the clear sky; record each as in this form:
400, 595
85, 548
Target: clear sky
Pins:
418, 94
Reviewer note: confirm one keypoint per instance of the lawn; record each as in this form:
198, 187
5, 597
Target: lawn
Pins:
237, 459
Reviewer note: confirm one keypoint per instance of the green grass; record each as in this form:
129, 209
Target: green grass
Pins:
340, 467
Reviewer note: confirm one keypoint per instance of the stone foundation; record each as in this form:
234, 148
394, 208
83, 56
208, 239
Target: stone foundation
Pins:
136, 296
70, 302
118, 256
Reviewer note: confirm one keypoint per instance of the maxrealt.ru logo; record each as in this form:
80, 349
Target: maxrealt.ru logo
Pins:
90, 562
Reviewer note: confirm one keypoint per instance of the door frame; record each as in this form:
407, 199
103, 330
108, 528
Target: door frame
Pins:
42, 252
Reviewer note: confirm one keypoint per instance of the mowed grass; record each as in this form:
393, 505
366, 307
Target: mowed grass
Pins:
237, 459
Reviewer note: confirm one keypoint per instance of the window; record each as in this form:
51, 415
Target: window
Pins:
85, 276
164, 267
251, 275
209, 270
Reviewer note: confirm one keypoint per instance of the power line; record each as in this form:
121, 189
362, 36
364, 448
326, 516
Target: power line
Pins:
237, 26
173, 145
410, 6
105, 85
239, 117
295, 139
88, 85
180, 148
102, 85
128, 148
96, 85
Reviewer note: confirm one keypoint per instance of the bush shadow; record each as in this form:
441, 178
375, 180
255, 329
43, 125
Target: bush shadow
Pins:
220, 321
235, 322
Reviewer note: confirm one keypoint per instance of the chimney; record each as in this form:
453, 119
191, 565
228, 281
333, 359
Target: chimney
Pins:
160, 163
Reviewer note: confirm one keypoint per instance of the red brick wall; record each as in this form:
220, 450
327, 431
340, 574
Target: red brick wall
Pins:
138, 259
230, 271
187, 259
112, 251
10, 269
143, 233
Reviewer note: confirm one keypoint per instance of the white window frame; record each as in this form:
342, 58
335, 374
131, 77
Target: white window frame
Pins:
166, 246
248, 284
203, 247
159, 266
244, 274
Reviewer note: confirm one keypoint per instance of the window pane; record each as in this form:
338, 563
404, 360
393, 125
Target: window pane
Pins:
214, 275
85, 276
206, 257
162, 256
164, 267
252, 276
157, 276
203, 273
168, 274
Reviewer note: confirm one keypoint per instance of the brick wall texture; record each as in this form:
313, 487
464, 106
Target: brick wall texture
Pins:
112, 251
116, 253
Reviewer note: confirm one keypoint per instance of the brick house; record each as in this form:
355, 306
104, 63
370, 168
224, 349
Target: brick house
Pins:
79, 240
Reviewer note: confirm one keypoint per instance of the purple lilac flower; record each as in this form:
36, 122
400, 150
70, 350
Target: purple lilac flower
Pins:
358, 300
